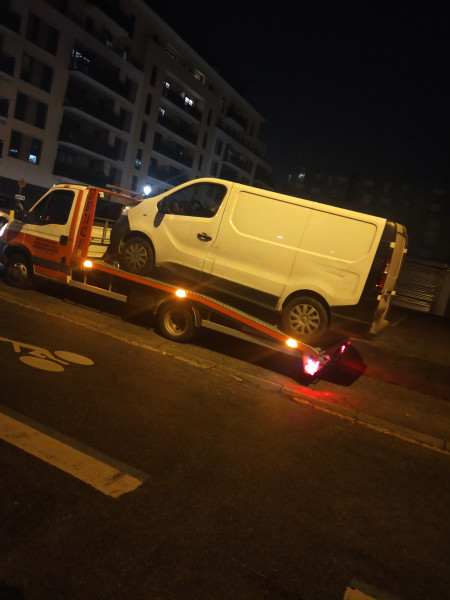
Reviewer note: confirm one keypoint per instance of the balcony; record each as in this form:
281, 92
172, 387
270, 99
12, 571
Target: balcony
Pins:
10, 20
7, 63
86, 176
99, 74
117, 21
88, 143
167, 175
264, 176
235, 160
177, 128
173, 152
234, 115
76, 99
180, 101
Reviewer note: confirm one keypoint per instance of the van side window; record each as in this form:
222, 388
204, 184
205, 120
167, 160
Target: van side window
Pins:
54, 208
197, 200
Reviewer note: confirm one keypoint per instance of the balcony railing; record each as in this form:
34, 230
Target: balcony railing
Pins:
232, 113
101, 75
86, 176
89, 143
112, 12
180, 101
75, 99
173, 153
177, 128
238, 137
168, 175
7, 63
242, 164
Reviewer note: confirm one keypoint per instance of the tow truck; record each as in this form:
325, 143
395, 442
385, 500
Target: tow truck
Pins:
64, 236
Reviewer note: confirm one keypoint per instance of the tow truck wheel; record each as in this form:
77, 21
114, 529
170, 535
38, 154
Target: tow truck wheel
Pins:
137, 256
176, 322
305, 317
18, 272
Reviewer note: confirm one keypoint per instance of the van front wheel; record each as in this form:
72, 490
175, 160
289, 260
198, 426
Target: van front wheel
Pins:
137, 256
305, 318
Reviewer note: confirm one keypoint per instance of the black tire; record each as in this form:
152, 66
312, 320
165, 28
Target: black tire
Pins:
176, 322
18, 272
137, 256
305, 318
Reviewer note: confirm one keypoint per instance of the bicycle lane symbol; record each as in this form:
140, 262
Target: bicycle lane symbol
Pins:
40, 358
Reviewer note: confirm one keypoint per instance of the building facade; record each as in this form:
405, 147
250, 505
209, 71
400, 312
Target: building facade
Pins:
105, 93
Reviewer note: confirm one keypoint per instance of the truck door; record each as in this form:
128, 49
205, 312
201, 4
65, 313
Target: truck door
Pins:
47, 232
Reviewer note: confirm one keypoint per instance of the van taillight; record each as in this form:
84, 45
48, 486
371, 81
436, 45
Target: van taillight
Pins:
382, 280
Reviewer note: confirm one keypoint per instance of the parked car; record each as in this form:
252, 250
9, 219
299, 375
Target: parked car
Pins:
4, 218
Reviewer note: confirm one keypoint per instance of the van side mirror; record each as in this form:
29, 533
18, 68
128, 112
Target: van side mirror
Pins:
163, 206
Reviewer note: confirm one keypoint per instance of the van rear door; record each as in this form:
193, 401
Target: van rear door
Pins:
390, 277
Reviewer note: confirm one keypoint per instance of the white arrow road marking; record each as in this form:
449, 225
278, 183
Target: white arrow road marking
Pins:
100, 474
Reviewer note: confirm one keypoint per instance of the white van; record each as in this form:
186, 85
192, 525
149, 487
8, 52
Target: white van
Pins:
299, 259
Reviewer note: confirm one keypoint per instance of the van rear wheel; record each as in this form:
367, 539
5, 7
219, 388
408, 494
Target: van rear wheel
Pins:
305, 318
137, 256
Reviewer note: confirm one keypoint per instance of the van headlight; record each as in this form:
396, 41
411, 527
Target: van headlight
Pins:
3, 229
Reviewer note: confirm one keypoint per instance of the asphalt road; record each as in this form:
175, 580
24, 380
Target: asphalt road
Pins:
250, 485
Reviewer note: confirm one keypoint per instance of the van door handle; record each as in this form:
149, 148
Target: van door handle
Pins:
204, 237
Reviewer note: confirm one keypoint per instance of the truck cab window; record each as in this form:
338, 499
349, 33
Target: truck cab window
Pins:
53, 209
197, 200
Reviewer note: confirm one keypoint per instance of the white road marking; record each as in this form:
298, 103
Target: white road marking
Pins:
99, 474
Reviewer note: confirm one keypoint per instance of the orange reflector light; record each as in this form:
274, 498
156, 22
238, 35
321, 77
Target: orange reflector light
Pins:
180, 293
311, 366
88, 264
291, 343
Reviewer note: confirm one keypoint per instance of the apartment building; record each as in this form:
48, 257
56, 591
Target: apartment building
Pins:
105, 93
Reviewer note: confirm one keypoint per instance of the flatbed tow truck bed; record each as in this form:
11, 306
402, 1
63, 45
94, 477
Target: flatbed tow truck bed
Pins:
180, 312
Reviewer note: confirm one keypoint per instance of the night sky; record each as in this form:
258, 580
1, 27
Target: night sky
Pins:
360, 86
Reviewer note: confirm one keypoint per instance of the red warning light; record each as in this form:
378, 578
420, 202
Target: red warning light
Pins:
311, 366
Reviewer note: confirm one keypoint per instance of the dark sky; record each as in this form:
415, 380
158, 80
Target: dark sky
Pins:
356, 85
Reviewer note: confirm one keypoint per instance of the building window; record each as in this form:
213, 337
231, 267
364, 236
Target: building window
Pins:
25, 147
200, 162
205, 139
153, 75
138, 161
214, 168
30, 111
134, 183
143, 132
189, 101
42, 34
218, 148
148, 104
37, 73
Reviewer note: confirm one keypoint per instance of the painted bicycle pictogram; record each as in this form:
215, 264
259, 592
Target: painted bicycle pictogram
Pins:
43, 359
